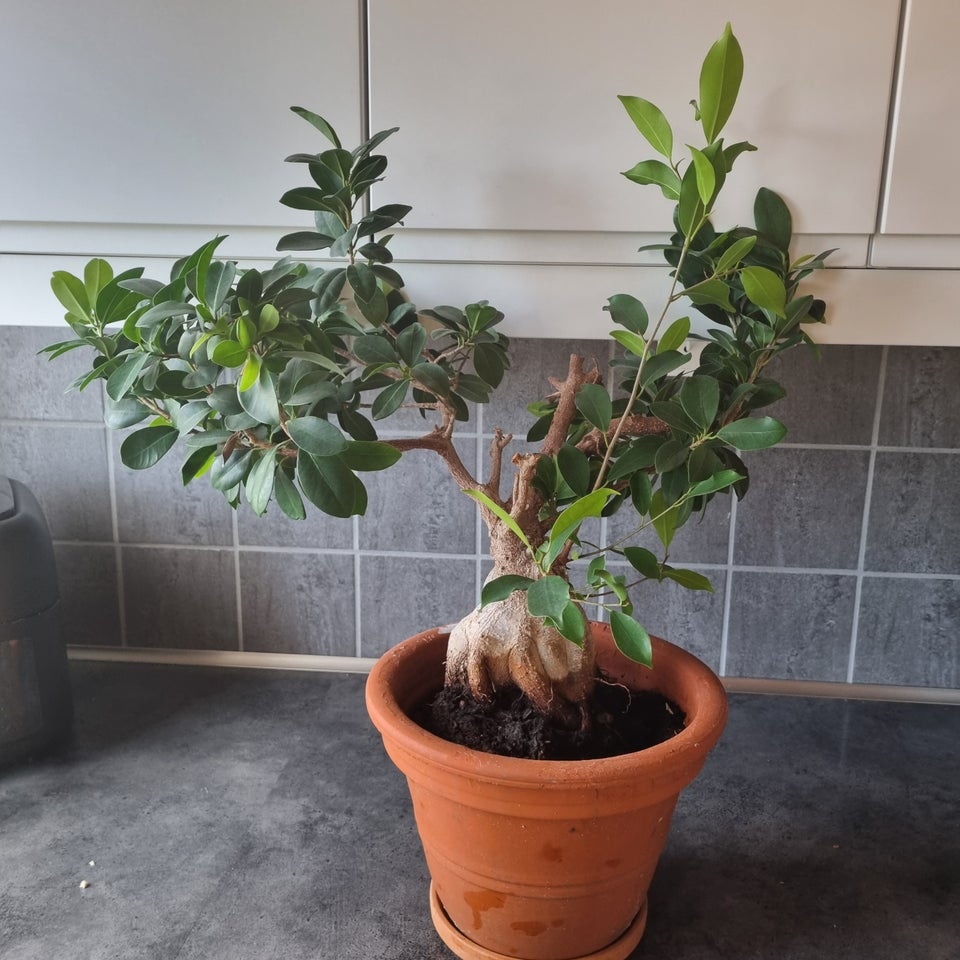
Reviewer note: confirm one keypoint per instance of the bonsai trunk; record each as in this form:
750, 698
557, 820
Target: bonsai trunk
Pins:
502, 645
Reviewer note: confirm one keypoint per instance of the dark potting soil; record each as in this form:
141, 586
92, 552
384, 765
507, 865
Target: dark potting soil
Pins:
622, 721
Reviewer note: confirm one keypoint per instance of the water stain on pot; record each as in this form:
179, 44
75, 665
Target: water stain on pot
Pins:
532, 928
480, 901
552, 853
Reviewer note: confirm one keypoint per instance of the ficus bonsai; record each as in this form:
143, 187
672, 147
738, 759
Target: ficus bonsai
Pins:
274, 382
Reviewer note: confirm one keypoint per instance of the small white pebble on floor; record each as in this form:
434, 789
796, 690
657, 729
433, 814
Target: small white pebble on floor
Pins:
92, 863
84, 884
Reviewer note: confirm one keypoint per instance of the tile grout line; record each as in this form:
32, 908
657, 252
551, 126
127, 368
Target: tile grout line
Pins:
235, 533
728, 588
864, 524
357, 600
115, 532
477, 522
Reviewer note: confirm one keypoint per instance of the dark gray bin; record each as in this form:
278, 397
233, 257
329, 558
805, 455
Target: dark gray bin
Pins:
36, 705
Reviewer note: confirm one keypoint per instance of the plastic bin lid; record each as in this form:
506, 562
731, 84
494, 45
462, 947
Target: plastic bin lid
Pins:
7, 503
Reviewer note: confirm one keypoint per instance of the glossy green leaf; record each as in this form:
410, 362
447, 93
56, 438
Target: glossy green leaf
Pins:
220, 277
641, 491
370, 455
638, 455
143, 448
259, 399
251, 370
675, 335
502, 515
658, 173
199, 462
125, 376
673, 414
644, 561
259, 482
700, 398
70, 291
764, 288
629, 312
651, 122
773, 219
96, 275
229, 353
629, 341
374, 348
316, 435
410, 343
574, 467
547, 597
689, 579
118, 414
718, 481
690, 209
631, 638
331, 486
502, 587
322, 125
432, 377
720, 78
489, 364
734, 254
753, 433
390, 399
706, 176
229, 473
710, 291
594, 403
663, 518
672, 454
572, 625
569, 521
287, 496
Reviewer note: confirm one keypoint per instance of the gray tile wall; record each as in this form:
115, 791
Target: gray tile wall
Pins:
842, 564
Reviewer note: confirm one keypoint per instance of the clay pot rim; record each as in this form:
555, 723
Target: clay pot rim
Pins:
706, 718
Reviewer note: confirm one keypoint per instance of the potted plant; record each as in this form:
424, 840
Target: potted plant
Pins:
274, 382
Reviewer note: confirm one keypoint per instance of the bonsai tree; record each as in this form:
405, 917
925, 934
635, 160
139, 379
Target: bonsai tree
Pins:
274, 382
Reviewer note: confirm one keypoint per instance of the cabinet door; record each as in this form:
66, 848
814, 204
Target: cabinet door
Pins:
174, 112
509, 118
922, 190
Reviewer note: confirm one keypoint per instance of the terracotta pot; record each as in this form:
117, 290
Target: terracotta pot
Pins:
542, 859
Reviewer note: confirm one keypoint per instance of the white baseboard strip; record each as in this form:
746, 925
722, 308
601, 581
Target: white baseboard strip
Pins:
329, 664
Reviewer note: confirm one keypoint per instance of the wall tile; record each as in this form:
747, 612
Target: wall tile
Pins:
790, 626
701, 540
35, 388
184, 599
297, 603
66, 468
416, 506
804, 509
692, 619
920, 398
88, 593
915, 514
274, 528
528, 379
153, 506
908, 632
400, 597
830, 400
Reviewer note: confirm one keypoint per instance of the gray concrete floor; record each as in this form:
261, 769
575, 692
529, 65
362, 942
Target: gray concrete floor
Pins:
239, 814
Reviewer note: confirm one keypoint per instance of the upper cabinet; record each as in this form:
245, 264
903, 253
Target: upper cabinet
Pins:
509, 118
922, 195
133, 112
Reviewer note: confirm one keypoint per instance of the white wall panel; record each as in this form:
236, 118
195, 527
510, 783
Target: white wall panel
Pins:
509, 117
923, 190
174, 112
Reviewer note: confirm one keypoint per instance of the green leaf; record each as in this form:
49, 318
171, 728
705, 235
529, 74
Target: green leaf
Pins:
643, 561
720, 78
764, 288
690, 209
672, 413
489, 363
197, 464
773, 219
629, 312
700, 399
574, 468
706, 176
229, 353
287, 496
638, 455
656, 172
316, 435
753, 433
118, 414
70, 291
631, 638
641, 492
572, 625
719, 481
259, 400
630, 341
370, 455
594, 403
672, 454
251, 370
269, 318
330, 485
689, 579
374, 348
325, 128
227, 474
502, 587
710, 291
569, 522
143, 448
731, 257
547, 597
390, 399
125, 376
502, 515
96, 275
675, 335
259, 482
432, 377
411, 342
660, 365
220, 276
663, 518
651, 122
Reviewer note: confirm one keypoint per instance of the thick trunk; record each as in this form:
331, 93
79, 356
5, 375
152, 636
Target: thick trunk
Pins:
502, 645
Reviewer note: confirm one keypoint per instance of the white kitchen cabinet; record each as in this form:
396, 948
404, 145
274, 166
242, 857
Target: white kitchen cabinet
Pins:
510, 120
139, 112
922, 195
